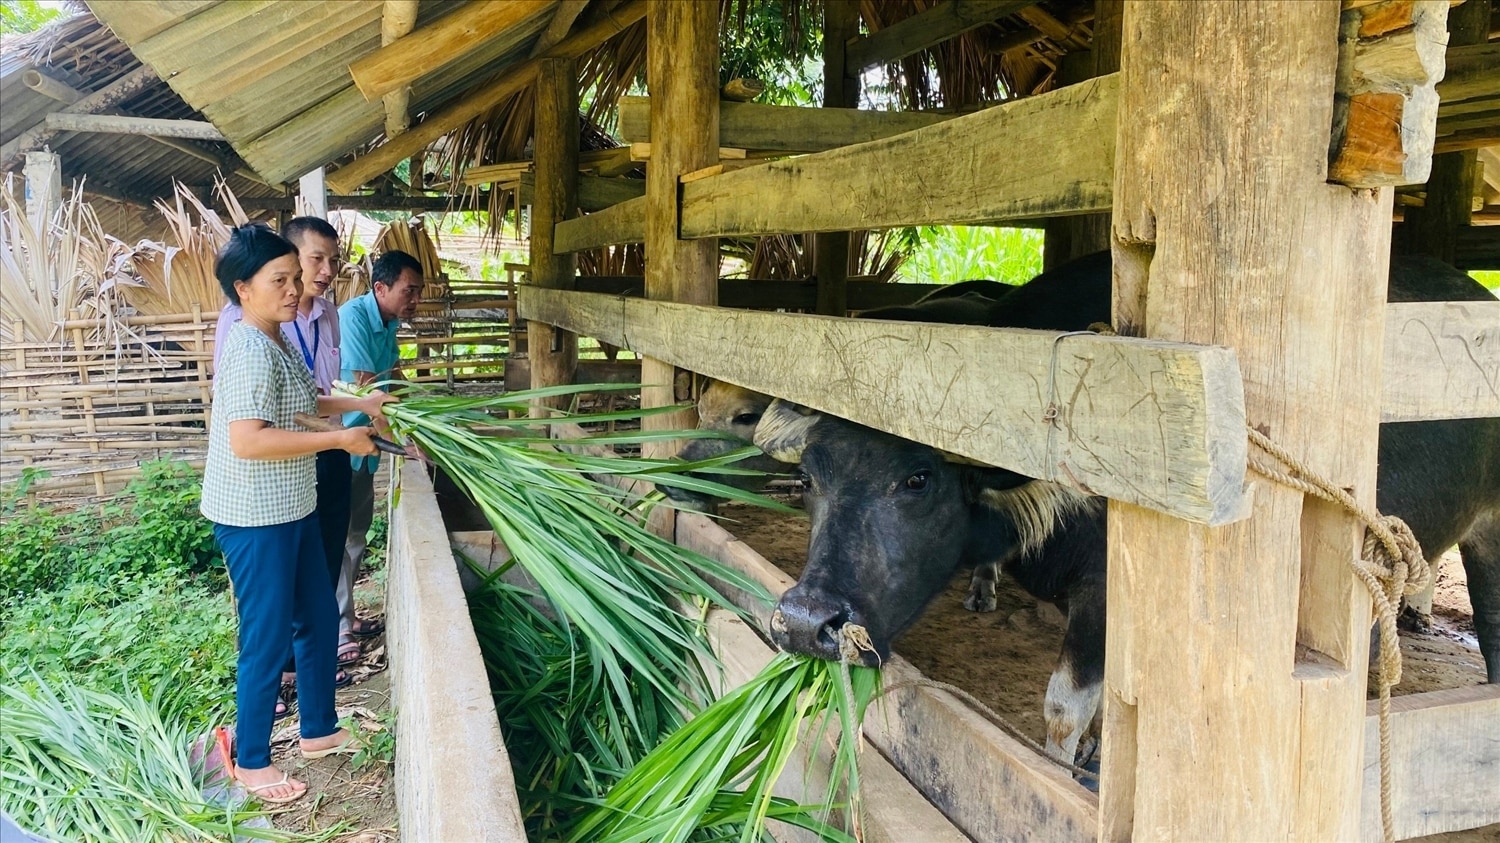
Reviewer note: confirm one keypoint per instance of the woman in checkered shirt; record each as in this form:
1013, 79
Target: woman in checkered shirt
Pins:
259, 490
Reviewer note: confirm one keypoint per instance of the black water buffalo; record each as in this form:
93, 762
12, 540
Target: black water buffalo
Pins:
892, 520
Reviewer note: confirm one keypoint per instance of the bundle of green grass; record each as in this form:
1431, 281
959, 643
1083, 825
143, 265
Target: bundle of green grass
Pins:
603, 696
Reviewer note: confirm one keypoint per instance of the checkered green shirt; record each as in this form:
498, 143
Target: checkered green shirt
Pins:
257, 379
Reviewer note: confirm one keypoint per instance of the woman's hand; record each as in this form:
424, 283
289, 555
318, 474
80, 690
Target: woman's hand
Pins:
359, 441
370, 404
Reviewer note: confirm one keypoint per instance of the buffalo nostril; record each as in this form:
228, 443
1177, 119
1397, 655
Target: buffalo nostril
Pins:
806, 623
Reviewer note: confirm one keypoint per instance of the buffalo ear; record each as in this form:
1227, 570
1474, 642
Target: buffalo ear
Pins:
977, 481
783, 430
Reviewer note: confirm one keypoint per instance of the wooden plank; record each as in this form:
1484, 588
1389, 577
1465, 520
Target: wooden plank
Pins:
478, 100
984, 781
1235, 675
621, 223
1158, 424
121, 125
927, 29
785, 128
961, 171
770, 293
1445, 754
442, 42
1442, 361
518, 372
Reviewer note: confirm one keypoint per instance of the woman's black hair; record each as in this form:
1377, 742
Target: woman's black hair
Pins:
250, 247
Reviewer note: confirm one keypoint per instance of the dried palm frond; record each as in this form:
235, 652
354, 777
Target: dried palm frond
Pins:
177, 278
54, 269
410, 236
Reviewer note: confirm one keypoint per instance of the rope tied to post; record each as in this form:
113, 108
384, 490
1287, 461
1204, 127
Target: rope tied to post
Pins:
1391, 565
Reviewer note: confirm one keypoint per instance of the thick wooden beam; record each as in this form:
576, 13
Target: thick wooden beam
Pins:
397, 20
359, 202
518, 372
595, 193
1235, 676
121, 125
919, 178
1442, 361
36, 137
920, 31
1445, 753
553, 351
557, 29
1473, 71
479, 100
1160, 425
440, 43
617, 224
786, 128
769, 293
1385, 108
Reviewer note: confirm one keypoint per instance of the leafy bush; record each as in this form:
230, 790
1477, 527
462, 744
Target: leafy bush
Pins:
153, 525
948, 254
129, 631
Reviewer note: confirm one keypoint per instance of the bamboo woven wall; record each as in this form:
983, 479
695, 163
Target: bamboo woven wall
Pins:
89, 412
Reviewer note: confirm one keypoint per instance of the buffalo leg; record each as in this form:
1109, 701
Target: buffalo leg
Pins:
1075, 689
981, 597
1480, 550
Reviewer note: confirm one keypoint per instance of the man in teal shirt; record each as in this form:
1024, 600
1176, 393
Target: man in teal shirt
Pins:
368, 353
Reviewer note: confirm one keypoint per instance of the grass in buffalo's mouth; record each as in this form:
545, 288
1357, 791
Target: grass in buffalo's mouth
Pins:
596, 695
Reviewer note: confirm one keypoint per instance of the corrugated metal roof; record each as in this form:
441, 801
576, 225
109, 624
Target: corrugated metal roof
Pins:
273, 75
84, 54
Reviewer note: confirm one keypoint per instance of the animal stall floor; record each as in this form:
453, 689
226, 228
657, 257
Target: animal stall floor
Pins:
1004, 657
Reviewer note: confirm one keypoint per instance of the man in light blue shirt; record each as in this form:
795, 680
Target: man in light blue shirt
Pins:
368, 353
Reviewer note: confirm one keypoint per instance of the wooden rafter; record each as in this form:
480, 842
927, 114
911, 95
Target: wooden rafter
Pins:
396, 21
478, 100
447, 40
557, 30
921, 31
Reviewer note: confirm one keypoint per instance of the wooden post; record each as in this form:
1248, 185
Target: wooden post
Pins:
682, 72
1432, 229
1235, 680
840, 90
554, 352
314, 192
43, 175
1066, 238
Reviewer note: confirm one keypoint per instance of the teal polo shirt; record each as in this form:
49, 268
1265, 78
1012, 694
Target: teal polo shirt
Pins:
367, 344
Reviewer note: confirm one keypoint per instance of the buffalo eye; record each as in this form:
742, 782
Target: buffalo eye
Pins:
918, 482
747, 419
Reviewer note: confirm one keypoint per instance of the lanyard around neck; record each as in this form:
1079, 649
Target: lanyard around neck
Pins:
308, 356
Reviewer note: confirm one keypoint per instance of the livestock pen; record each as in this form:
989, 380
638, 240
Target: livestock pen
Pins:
1249, 165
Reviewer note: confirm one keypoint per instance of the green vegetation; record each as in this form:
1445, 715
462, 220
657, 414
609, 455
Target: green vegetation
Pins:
117, 650
947, 254
1488, 278
18, 17
593, 673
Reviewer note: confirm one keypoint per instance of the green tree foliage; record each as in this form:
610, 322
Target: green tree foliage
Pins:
757, 42
18, 17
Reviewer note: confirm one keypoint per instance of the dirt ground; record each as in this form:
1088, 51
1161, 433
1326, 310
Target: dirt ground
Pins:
364, 798
1005, 657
